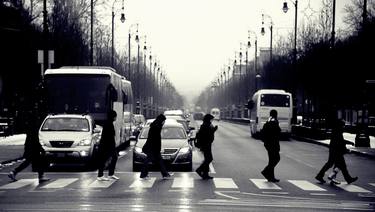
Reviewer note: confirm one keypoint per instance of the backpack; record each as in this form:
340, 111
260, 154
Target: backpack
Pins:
264, 131
198, 140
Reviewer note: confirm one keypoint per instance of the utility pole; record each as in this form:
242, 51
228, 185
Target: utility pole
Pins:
92, 34
45, 37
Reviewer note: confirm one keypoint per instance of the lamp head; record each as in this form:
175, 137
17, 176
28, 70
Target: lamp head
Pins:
285, 7
262, 31
137, 38
122, 17
248, 44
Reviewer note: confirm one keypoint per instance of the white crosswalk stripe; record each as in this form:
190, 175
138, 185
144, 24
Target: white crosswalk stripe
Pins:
183, 182
19, 184
60, 183
101, 184
306, 185
225, 183
141, 183
264, 184
353, 188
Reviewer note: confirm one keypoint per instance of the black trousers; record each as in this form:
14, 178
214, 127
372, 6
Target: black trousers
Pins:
273, 160
157, 160
37, 164
104, 157
208, 158
337, 160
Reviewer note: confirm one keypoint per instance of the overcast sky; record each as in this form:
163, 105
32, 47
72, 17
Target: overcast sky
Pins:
194, 39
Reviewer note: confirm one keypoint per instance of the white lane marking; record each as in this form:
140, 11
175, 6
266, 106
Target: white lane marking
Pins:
274, 192
183, 182
212, 169
264, 184
373, 184
141, 183
225, 195
101, 184
60, 183
306, 185
224, 183
322, 194
19, 184
353, 188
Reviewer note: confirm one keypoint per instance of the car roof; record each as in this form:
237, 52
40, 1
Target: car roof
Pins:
69, 116
173, 112
168, 122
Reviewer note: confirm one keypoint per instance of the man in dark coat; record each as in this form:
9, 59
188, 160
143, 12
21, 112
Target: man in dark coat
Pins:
206, 136
34, 152
337, 149
107, 148
152, 148
271, 136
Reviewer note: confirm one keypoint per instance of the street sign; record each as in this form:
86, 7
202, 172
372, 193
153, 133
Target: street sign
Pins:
40, 57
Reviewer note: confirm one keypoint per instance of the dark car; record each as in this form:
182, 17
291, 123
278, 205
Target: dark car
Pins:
176, 150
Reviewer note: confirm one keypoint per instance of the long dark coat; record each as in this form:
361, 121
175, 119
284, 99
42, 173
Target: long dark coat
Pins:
153, 142
271, 135
107, 140
207, 135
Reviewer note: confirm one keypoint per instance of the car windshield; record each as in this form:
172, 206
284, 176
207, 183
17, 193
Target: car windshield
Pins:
139, 119
167, 133
66, 124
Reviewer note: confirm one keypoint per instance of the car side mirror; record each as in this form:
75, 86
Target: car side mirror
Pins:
96, 130
191, 128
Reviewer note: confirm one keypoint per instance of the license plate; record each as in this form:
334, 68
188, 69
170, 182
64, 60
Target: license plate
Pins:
60, 155
166, 157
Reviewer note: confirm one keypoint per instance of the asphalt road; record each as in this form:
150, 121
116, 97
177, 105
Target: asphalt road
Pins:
237, 186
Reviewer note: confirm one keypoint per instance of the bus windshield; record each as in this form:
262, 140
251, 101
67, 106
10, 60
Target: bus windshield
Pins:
76, 93
274, 100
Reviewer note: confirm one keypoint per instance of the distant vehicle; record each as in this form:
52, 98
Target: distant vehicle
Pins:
176, 150
129, 124
216, 113
198, 116
139, 121
263, 101
69, 137
174, 113
91, 90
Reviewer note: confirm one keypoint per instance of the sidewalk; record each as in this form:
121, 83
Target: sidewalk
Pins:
364, 151
11, 148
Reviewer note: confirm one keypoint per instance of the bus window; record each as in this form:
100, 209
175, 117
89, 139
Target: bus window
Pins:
275, 100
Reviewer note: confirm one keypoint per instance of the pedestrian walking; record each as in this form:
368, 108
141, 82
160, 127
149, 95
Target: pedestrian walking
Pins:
337, 149
34, 153
206, 138
152, 148
107, 149
271, 136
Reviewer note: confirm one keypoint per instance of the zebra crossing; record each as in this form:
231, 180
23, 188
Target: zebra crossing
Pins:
185, 182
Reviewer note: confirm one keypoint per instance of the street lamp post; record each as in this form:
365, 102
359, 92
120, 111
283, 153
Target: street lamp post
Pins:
271, 31
129, 49
285, 9
113, 27
256, 51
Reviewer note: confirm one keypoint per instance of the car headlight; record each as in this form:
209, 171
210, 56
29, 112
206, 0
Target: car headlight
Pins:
85, 142
138, 149
42, 142
184, 150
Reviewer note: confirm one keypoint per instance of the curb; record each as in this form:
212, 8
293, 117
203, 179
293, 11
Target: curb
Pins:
4, 163
352, 151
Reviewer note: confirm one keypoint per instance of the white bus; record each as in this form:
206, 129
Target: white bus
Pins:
89, 90
215, 112
263, 102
